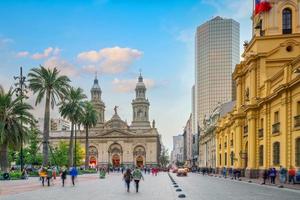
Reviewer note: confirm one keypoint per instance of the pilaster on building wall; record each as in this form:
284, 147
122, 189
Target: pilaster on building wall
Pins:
264, 126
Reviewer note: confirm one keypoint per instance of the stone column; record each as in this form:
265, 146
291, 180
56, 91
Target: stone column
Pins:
238, 144
251, 170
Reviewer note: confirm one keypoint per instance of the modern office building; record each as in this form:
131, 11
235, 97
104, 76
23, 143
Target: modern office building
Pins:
217, 52
177, 155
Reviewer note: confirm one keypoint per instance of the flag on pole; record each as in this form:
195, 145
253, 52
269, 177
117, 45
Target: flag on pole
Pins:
262, 6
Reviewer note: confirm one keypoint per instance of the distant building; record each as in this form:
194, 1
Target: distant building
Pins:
59, 125
55, 124
207, 138
178, 148
195, 149
188, 141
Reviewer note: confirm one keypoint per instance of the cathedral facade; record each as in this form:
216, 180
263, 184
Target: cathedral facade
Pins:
115, 143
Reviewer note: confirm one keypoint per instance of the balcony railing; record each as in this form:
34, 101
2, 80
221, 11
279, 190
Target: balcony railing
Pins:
261, 133
245, 130
297, 121
276, 128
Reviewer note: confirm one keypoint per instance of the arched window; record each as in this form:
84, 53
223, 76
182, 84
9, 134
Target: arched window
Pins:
261, 155
297, 152
287, 21
231, 158
276, 153
225, 156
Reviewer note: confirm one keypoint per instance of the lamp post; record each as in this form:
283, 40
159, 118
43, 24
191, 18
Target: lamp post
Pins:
20, 92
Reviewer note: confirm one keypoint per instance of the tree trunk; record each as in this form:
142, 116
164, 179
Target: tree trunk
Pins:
4, 157
86, 147
46, 129
71, 145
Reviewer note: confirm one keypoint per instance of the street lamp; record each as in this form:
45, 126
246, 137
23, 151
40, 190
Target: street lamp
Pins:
20, 92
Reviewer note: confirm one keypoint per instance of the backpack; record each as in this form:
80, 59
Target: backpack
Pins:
127, 177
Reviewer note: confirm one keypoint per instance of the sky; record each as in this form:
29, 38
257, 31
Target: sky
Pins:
116, 39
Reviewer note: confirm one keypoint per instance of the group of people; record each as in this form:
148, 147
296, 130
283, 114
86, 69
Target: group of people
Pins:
135, 175
284, 175
49, 174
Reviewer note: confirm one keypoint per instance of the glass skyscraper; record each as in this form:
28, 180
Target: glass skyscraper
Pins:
217, 52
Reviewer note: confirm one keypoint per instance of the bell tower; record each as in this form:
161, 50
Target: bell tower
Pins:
140, 106
276, 17
97, 102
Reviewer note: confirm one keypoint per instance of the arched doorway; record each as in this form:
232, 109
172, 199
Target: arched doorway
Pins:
93, 161
140, 161
93, 155
115, 154
139, 154
115, 160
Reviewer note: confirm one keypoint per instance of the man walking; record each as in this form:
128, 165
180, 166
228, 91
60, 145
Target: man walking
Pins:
49, 175
73, 174
137, 176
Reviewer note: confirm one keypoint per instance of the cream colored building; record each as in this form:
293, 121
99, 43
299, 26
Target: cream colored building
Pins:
116, 143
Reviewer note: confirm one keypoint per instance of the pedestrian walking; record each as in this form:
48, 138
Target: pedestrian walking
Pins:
73, 174
63, 175
292, 174
224, 172
137, 176
265, 176
54, 172
282, 175
43, 175
272, 175
127, 177
49, 175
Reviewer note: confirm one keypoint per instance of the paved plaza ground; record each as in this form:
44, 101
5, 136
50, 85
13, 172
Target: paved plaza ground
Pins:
195, 187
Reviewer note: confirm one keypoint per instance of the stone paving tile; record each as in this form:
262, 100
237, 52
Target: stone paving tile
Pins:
91, 187
198, 187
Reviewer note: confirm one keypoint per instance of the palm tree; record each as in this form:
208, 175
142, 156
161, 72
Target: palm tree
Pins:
50, 84
15, 119
72, 108
89, 119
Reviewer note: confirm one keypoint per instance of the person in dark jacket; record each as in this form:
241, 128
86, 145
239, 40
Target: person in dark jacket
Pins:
265, 175
63, 175
127, 177
272, 175
49, 175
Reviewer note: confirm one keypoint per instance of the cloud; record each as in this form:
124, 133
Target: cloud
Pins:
65, 67
22, 54
109, 60
128, 85
186, 36
50, 51
238, 9
5, 41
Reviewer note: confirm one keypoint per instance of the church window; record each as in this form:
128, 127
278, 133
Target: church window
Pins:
287, 21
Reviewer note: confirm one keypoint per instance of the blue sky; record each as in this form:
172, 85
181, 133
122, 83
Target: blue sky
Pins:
116, 38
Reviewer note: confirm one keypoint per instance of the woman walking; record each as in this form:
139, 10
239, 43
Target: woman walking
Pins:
137, 176
63, 175
127, 178
73, 174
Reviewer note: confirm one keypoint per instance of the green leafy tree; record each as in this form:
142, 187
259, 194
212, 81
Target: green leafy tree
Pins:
164, 158
88, 119
15, 118
50, 84
31, 152
60, 154
72, 109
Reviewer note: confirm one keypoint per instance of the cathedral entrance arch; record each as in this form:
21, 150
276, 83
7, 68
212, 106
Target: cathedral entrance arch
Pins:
93, 155
115, 153
139, 154
116, 160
